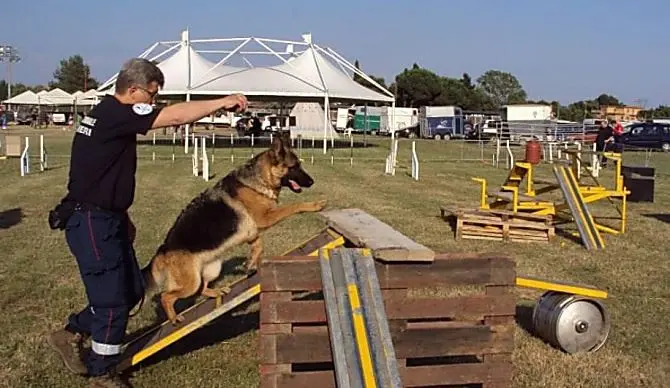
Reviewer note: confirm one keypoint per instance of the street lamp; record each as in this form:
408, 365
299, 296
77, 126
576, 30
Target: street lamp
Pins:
10, 55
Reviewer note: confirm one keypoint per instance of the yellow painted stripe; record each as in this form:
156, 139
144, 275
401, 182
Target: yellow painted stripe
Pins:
568, 289
333, 233
361, 338
326, 254
184, 331
329, 231
579, 214
333, 244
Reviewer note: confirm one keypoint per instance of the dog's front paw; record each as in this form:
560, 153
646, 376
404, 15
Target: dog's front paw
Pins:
317, 205
251, 268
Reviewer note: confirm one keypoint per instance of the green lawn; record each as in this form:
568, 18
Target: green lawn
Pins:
40, 285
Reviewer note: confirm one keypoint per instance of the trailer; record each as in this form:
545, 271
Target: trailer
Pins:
344, 119
404, 118
441, 122
373, 119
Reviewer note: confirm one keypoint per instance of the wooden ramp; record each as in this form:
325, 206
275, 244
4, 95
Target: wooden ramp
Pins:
209, 309
580, 212
386, 243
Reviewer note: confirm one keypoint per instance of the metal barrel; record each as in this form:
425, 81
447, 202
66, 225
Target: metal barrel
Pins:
572, 323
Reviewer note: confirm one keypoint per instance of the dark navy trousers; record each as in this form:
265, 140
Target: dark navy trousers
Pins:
100, 242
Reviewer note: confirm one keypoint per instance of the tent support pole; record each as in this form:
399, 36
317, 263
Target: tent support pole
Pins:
188, 127
326, 108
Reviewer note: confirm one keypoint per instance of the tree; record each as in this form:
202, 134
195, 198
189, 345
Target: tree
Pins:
16, 89
467, 81
606, 99
72, 75
662, 111
501, 87
417, 87
365, 82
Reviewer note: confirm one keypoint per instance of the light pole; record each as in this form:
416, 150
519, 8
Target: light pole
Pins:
10, 55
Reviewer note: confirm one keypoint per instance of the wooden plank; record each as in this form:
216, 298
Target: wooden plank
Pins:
502, 227
410, 343
386, 243
279, 274
313, 311
429, 375
485, 212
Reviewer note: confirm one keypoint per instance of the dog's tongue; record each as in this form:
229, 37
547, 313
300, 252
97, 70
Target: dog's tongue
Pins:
294, 185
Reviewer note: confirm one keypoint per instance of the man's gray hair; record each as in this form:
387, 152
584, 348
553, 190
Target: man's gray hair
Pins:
140, 72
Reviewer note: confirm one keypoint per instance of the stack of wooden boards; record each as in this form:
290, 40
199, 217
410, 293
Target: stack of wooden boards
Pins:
500, 225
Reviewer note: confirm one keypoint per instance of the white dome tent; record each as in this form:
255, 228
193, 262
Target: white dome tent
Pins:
309, 117
309, 74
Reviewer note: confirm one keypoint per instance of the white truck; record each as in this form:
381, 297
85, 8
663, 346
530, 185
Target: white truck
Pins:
526, 112
527, 121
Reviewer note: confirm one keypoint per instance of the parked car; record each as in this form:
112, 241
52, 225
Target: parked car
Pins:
647, 135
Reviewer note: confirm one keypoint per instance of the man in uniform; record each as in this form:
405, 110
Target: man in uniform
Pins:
604, 138
94, 215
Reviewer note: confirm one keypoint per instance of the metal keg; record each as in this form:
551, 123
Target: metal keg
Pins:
572, 323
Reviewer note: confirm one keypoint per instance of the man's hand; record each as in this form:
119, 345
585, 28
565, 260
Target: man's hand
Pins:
235, 102
192, 111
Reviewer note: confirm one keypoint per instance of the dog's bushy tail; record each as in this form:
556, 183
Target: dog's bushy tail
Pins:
153, 274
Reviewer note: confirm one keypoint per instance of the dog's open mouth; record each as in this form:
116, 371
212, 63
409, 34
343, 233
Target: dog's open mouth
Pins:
294, 186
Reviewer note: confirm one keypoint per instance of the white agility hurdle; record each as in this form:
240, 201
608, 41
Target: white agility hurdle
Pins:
200, 157
392, 157
509, 155
415, 163
196, 168
43, 155
205, 160
24, 160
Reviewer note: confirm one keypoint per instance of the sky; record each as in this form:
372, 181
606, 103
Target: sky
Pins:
560, 50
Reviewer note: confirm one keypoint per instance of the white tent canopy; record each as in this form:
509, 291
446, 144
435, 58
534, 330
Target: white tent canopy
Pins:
309, 118
53, 97
307, 75
310, 73
26, 98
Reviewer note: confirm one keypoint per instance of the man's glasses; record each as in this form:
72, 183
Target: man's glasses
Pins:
151, 94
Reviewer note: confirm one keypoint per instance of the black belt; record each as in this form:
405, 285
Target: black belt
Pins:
85, 206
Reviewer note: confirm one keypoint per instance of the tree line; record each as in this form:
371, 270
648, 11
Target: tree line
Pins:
72, 74
413, 87
419, 86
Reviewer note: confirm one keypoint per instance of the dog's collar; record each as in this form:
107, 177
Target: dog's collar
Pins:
272, 194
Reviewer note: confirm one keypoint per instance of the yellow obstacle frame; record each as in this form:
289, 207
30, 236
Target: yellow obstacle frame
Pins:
528, 200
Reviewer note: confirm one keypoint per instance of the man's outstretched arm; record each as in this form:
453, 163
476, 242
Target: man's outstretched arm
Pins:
191, 111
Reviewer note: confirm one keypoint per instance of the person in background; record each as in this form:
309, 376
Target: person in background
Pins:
605, 136
618, 130
3, 116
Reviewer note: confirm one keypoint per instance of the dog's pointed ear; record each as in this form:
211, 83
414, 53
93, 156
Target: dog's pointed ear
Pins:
286, 139
277, 148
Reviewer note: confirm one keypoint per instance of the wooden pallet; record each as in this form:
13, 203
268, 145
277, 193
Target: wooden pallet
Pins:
500, 225
441, 338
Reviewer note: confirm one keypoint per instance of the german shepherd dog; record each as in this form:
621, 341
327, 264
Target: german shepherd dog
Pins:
232, 212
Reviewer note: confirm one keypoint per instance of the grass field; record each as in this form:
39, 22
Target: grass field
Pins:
40, 285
